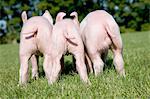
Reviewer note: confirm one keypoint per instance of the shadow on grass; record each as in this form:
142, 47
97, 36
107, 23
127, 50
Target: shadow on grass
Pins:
41, 71
109, 64
70, 69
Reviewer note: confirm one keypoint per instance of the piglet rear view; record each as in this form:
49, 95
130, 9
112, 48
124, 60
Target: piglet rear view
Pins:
66, 38
35, 37
100, 32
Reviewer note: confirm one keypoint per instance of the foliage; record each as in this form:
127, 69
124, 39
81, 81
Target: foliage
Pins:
9, 38
145, 27
131, 15
108, 85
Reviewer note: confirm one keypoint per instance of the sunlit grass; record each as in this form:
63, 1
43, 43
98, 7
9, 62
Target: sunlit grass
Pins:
108, 85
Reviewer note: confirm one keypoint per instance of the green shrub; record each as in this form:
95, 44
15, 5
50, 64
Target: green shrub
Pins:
123, 29
9, 38
145, 27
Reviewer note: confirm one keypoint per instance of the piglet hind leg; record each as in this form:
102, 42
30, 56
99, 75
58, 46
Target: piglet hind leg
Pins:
24, 68
118, 62
117, 48
47, 65
81, 68
34, 62
56, 69
98, 64
89, 64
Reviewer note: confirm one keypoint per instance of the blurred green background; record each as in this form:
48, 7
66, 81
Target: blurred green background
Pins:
131, 15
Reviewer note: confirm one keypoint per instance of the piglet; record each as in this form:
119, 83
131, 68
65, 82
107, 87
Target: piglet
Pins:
35, 38
99, 32
66, 38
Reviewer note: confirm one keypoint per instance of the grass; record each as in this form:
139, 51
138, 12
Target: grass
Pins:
108, 85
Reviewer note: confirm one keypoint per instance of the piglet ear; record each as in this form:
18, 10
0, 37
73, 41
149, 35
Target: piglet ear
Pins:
48, 16
24, 16
75, 19
60, 16
74, 14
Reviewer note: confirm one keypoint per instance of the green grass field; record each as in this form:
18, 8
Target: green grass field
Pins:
108, 85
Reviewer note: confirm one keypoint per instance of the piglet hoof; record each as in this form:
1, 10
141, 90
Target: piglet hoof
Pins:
35, 77
50, 82
122, 73
22, 84
91, 71
98, 73
86, 82
89, 83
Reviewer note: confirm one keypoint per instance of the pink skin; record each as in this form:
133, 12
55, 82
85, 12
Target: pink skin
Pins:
33, 41
65, 37
34, 58
59, 17
87, 60
100, 32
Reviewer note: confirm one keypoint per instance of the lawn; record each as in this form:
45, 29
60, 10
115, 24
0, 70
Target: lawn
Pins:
108, 85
